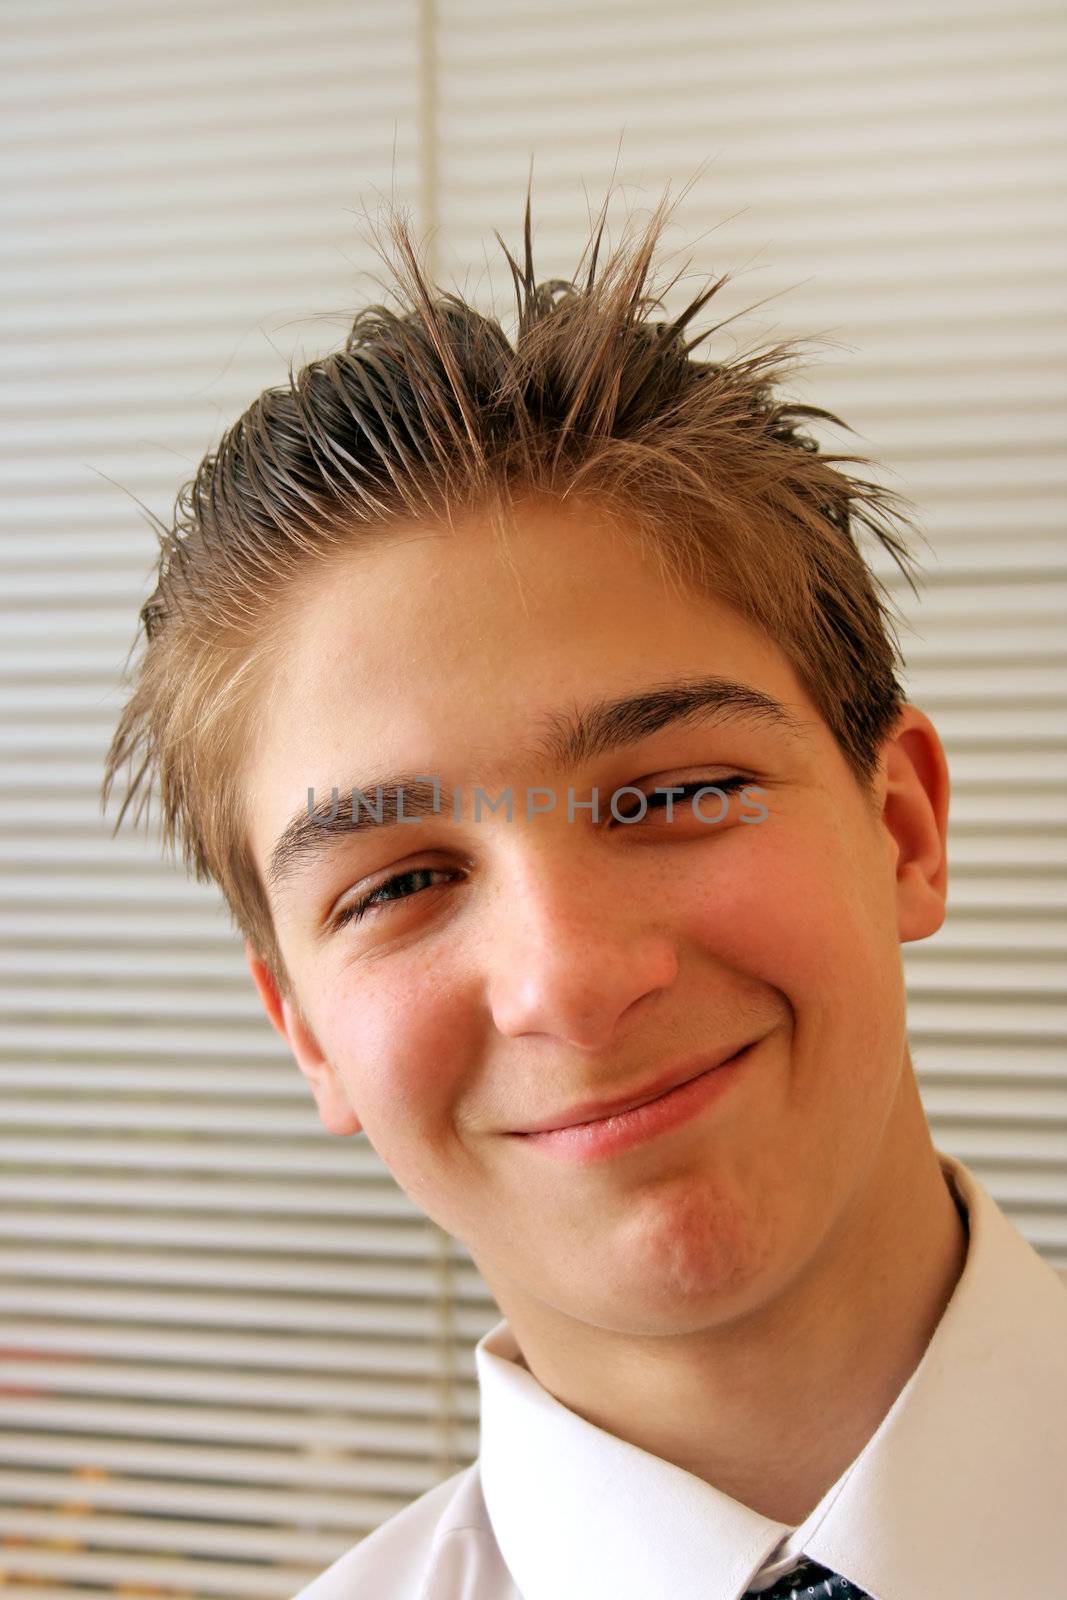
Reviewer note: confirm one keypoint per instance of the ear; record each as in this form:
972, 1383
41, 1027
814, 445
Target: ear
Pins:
915, 817
335, 1113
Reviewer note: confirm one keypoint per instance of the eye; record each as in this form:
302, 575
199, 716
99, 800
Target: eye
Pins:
680, 796
384, 894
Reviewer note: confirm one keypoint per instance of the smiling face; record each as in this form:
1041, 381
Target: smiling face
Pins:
524, 966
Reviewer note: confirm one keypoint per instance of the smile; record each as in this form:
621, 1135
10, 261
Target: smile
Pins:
607, 1136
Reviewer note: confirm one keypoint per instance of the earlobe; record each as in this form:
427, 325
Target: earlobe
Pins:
915, 815
335, 1113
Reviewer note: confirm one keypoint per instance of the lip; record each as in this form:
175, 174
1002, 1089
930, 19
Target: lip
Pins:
608, 1135
596, 1110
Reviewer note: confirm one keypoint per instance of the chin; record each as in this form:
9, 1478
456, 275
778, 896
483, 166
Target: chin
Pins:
685, 1263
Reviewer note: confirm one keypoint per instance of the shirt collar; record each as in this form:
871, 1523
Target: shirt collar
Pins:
957, 1493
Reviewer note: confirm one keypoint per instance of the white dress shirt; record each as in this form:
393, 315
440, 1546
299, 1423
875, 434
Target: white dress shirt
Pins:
959, 1494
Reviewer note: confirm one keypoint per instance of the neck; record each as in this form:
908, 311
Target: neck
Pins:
819, 1365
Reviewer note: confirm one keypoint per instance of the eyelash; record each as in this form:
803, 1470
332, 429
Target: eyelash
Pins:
357, 909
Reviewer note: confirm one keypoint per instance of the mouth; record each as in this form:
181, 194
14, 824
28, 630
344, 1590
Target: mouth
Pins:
591, 1111
611, 1134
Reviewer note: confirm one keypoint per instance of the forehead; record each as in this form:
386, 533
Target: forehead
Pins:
430, 649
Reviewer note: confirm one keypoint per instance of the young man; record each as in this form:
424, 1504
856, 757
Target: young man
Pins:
537, 714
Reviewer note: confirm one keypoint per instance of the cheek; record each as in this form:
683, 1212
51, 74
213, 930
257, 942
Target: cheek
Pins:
398, 1041
813, 917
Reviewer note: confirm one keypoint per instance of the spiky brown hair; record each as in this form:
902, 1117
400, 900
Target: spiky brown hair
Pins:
430, 412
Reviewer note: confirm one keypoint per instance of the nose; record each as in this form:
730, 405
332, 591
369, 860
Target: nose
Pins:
570, 952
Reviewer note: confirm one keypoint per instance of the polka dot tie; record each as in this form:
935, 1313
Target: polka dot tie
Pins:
809, 1581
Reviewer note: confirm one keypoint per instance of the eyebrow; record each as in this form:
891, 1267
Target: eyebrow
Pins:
569, 740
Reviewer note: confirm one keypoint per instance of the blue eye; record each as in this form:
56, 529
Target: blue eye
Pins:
384, 893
